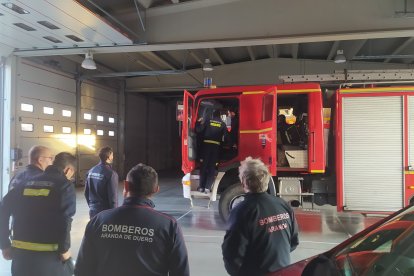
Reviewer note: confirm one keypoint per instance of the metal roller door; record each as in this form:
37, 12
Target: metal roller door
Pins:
373, 153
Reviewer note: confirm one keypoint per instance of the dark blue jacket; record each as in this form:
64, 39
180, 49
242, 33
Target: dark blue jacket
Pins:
24, 175
42, 211
101, 187
261, 233
133, 239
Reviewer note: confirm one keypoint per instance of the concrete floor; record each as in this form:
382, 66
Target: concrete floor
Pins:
320, 229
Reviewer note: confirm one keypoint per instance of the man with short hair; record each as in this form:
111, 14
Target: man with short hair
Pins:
133, 239
40, 158
101, 184
42, 211
262, 229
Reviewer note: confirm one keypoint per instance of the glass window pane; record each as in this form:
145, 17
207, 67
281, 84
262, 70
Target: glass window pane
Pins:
99, 132
87, 116
87, 131
66, 113
48, 110
100, 118
27, 127
48, 129
111, 120
66, 130
26, 107
111, 133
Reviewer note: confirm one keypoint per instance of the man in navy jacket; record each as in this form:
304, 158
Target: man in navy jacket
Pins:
133, 239
101, 185
262, 229
42, 211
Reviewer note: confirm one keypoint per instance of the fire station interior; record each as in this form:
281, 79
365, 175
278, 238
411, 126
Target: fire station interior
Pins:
78, 75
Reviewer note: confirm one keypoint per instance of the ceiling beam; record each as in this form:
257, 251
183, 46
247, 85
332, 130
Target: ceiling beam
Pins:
140, 62
220, 43
407, 42
251, 53
217, 55
333, 50
295, 50
272, 51
194, 55
355, 48
157, 59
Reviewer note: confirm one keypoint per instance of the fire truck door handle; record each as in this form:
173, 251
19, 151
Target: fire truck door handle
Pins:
313, 146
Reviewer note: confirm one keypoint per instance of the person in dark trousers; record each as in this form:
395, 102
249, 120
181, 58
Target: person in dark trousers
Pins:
213, 131
234, 131
101, 185
39, 159
133, 239
262, 229
42, 211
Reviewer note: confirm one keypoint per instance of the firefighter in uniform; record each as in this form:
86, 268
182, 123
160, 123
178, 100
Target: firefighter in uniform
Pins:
213, 131
101, 186
262, 229
133, 239
42, 211
39, 159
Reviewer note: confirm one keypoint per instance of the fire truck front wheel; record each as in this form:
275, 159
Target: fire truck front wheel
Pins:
232, 196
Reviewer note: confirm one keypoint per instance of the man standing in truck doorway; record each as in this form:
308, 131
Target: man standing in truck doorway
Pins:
213, 132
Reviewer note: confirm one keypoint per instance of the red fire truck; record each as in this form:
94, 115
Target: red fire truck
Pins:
373, 168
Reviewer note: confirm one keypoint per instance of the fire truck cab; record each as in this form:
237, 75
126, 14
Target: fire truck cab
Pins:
280, 124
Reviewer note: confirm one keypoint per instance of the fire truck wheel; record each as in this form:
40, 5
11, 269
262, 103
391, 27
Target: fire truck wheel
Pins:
232, 196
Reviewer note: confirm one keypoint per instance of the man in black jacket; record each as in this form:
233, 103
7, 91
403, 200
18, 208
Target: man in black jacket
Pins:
42, 211
133, 239
213, 131
39, 159
101, 185
262, 229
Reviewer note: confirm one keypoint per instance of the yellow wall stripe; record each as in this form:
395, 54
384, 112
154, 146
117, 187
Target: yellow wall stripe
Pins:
36, 192
298, 90
409, 172
378, 89
253, 92
255, 130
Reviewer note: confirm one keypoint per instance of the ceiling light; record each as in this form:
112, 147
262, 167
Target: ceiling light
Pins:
207, 65
88, 62
340, 58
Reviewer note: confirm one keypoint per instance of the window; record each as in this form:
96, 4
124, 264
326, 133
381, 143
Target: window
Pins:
26, 107
87, 131
111, 133
48, 129
111, 120
267, 107
48, 110
100, 132
66, 130
66, 113
27, 127
100, 118
87, 116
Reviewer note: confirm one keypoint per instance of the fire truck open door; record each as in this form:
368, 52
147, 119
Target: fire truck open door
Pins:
258, 126
188, 146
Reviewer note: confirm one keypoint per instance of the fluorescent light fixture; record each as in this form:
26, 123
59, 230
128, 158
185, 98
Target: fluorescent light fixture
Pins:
340, 57
88, 62
207, 65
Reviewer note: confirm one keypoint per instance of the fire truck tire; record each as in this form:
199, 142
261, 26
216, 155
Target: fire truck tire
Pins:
229, 199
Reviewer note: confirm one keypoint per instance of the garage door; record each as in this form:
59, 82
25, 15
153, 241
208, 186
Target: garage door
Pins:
373, 153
